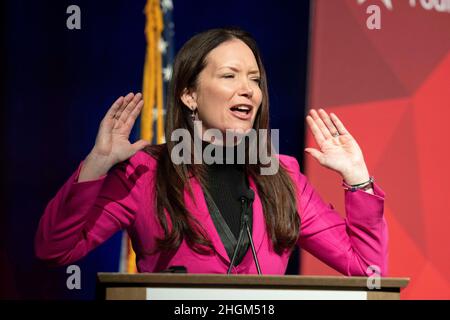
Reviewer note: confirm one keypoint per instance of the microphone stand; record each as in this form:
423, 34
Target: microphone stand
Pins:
255, 257
245, 226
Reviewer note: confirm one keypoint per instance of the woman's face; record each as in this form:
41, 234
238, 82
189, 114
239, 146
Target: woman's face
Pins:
227, 95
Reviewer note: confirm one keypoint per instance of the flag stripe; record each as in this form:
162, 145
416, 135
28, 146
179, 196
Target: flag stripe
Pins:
160, 51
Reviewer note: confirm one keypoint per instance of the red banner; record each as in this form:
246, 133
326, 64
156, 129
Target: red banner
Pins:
384, 68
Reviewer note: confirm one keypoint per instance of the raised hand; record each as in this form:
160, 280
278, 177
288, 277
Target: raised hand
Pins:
112, 143
338, 150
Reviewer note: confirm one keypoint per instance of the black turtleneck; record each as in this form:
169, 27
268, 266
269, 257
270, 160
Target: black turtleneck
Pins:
223, 180
226, 184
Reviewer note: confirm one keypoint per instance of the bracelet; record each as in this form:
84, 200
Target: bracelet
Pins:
360, 186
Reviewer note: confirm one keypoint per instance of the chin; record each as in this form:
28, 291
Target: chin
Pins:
245, 126
241, 128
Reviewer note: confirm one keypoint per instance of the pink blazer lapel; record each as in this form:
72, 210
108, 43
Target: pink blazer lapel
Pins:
259, 224
199, 209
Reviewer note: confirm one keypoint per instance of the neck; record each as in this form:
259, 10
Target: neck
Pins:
220, 154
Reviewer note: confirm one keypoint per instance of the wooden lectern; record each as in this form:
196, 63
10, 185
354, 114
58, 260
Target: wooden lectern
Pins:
175, 286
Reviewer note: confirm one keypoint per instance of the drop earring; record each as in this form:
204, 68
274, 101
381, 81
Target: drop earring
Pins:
193, 112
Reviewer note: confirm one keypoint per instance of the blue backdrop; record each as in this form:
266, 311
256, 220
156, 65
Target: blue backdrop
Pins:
58, 83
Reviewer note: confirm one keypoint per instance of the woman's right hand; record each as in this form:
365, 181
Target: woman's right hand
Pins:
112, 143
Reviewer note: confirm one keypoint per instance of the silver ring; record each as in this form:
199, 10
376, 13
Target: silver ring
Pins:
336, 134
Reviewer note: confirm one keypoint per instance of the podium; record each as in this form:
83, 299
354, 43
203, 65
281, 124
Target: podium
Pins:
176, 286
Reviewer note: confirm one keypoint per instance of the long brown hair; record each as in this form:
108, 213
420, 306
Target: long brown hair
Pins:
277, 192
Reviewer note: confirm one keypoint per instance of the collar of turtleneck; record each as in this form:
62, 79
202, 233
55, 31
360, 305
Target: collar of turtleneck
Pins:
226, 155
225, 182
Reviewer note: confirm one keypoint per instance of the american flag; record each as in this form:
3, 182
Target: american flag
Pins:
159, 32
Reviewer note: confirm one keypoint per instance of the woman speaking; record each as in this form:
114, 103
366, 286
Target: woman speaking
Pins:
225, 216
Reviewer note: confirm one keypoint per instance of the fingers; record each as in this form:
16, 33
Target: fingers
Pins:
124, 104
325, 126
339, 125
316, 154
134, 114
328, 122
320, 123
114, 108
317, 133
130, 107
141, 144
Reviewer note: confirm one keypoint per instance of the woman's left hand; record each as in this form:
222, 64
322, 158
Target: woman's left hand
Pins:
338, 150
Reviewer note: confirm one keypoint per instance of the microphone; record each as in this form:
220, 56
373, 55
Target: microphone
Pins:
247, 198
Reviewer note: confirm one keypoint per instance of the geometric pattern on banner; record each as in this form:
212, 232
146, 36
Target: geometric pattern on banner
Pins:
391, 88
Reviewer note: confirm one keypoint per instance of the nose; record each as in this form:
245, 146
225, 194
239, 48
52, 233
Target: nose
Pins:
245, 89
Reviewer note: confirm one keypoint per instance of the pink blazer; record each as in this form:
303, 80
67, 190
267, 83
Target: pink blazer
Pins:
82, 215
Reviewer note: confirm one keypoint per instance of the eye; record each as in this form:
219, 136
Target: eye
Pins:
257, 80
228, 76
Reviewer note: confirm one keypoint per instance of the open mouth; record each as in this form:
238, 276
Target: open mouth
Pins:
242, 111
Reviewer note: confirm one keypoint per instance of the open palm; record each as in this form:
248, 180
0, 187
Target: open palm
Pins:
338, 150
112, 141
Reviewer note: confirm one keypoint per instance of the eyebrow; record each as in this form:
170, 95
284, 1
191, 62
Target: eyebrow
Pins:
254, 71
